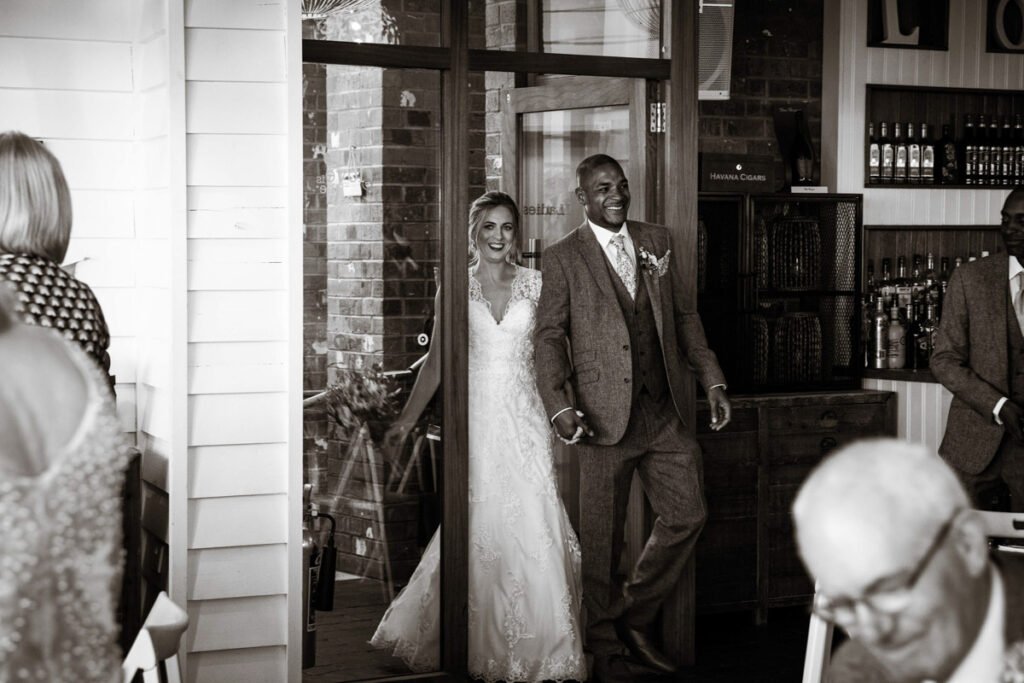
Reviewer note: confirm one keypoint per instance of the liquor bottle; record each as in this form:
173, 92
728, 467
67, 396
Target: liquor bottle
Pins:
982, 170
918, 287
995, 153
931, 278
1009, 153
943, 284
1018, 164
969, 147
913, 156
885, 144
879, 342
931, 327
886, 286
802, 153
950, 171
917, 340
874, 156
869, 282
897, 340
927, 156
899, 152
904, 292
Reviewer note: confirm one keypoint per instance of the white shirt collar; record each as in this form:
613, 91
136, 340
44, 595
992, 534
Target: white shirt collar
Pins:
984, 661
1015, 267
604, 236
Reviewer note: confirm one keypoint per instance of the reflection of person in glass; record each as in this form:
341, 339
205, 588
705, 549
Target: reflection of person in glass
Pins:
610, 291
524, 559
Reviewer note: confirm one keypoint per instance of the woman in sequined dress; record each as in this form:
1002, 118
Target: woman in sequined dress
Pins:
62, 460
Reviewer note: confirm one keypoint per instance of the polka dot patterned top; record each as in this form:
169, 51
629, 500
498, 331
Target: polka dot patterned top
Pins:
50, 297
60, 550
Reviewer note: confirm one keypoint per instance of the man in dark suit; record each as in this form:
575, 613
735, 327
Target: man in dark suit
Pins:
610, 291
979, 357
902, 564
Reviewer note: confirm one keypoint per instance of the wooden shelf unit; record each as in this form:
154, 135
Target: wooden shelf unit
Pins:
935, 106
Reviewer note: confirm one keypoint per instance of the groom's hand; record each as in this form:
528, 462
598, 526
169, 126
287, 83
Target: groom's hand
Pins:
721, 409
570, 426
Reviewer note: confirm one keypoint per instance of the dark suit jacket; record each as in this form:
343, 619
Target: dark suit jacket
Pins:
852, 663
971, 360
578, 303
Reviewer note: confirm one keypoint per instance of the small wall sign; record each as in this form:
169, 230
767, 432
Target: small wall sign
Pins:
1004, 26
736, 173
909, 24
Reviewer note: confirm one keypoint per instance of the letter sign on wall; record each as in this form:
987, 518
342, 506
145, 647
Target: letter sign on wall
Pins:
909, 24
1005, 26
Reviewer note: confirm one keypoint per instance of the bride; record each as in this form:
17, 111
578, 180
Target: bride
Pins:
524, 558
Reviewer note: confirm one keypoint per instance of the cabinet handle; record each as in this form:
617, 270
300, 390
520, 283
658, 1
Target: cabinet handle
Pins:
829, 416
827, 444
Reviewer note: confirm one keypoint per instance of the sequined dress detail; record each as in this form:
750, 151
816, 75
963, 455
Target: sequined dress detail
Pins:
60, 550
524, 557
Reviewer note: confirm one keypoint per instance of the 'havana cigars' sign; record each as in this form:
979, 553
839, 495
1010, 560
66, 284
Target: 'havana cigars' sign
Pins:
924, 24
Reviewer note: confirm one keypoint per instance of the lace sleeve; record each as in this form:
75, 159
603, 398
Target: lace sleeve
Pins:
531, 284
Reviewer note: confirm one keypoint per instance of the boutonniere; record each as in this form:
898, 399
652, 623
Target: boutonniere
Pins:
1013, 664
652, 263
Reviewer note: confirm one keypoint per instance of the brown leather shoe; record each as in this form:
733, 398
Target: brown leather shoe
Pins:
641, 647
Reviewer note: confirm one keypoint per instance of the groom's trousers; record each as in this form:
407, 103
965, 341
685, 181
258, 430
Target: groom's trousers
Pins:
668, 460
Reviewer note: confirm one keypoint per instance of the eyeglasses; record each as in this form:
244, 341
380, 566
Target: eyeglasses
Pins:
889, 595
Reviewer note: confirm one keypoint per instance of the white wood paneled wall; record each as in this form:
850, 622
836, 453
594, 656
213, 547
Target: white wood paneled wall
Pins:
237, 177
849, 65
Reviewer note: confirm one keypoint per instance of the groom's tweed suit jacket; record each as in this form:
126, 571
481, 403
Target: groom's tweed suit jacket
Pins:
578, 302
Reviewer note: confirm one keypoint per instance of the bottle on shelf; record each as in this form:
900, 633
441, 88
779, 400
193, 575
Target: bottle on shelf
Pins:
869, 281
1009, 153
918, 286
950, 166
897, 346
888, 159
995, 152
904, 291
927, 156
983, 169
931, 327
887, 286
969, 152
874, 156
899, 151
913, 156
957, 262
879, 340
931, 277
917, 344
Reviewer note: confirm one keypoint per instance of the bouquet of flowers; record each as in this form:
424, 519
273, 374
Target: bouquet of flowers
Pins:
361, 397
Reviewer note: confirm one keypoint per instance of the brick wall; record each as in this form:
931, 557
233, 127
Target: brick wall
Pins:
776, 61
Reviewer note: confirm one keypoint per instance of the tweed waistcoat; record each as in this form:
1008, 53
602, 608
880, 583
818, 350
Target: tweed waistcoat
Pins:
644, 346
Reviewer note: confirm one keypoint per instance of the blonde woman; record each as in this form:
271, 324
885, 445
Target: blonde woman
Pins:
35, 228
524, 559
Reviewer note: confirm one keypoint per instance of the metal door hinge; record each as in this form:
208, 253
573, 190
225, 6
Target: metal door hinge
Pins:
659, 117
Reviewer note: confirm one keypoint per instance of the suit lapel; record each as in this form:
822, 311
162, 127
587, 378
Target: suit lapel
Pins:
651, 280
594, 257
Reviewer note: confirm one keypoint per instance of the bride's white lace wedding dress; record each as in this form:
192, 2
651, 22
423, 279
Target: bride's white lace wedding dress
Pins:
524, 558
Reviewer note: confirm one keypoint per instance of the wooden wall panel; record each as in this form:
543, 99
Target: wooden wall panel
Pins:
44, 64
236, 623
247, 469
237, 521
220, 573
220, 419
234, 55
252, 665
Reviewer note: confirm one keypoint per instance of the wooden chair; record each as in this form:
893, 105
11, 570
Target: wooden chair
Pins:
998, 525
158, 641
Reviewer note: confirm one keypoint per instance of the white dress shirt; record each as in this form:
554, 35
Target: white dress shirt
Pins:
984, 661
604, 238
1015, 269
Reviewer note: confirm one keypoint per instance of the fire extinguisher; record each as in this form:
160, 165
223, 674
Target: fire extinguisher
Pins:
324, 599
311, 558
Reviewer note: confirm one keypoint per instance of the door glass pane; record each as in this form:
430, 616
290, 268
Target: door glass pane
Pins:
608, 28
380, 22
553, 144
371, 158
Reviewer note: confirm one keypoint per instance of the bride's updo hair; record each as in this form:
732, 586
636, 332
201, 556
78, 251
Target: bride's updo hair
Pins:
479, 209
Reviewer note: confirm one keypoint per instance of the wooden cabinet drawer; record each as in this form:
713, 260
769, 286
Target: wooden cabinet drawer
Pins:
806, 449
862, 418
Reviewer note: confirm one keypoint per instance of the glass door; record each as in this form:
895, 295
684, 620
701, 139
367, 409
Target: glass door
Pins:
547, 131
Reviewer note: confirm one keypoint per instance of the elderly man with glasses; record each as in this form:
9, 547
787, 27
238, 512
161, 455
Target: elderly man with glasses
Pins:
903, 566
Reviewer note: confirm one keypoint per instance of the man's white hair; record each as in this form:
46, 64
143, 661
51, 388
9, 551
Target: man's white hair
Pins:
884, 480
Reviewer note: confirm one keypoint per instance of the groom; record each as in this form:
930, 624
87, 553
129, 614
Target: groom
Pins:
609, 289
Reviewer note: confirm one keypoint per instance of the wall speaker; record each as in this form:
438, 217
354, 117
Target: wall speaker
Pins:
714, 26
